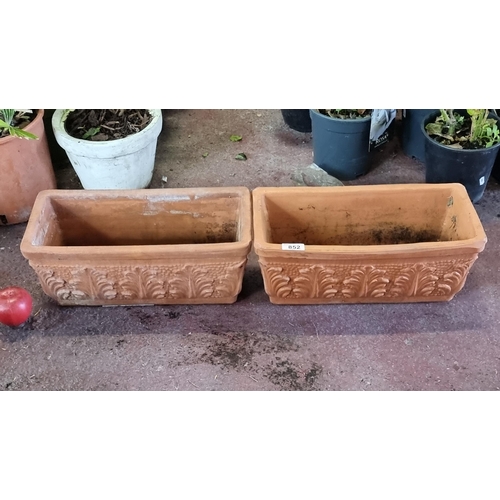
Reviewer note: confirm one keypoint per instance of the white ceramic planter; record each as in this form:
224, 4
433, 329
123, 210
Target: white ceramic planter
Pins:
119, 164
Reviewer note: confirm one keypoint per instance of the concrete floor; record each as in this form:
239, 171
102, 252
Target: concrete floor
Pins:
252, 344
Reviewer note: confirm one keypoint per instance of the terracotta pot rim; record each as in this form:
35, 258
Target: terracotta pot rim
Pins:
33, 124
208, 250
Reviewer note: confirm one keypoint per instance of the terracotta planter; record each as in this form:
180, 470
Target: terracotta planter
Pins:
123, 247
386, 243
26, 169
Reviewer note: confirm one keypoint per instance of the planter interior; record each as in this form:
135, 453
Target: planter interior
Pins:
157, 246
394, 243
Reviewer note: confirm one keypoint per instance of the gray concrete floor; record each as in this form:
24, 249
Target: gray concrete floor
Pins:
252, 344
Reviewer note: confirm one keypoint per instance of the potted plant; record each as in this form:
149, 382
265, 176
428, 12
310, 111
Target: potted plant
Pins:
461, 146
25, 163
341, 141
110, 148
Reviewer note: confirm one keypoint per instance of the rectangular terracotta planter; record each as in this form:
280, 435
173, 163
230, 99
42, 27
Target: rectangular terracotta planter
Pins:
146, 246
356, 244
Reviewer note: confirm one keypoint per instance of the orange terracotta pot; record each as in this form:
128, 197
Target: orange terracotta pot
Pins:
350, 244
155, 246
26, 169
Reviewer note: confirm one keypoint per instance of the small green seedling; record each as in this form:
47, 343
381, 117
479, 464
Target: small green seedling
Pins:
10, 116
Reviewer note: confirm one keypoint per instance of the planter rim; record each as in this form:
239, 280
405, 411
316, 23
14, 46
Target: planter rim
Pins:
266, 249
28, 128
444, 146
101, 149
83, 253
347, 120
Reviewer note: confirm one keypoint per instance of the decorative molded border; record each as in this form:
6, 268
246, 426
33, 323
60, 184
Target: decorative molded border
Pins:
144, 283
300, 280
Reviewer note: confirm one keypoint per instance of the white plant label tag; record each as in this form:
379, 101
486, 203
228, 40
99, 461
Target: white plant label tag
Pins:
481, 181
293, 246
381, 119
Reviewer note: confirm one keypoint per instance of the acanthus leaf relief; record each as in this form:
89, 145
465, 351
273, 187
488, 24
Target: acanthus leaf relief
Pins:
142, 283
54, 285
416, 280
315, 282
279, 283
367, 281
190, 282
228, 283
133, 283
92, 284
454, 277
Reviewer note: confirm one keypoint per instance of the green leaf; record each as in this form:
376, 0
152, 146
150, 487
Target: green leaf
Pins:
91, 132
8, 115
65, 114
22, 134
240, 156
204, 155
235, 138
17, 132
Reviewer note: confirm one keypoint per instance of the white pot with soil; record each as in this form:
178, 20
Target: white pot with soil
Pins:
124, 163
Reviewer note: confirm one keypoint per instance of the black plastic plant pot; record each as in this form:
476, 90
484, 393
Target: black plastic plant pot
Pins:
496, 167
470, 167
413, 140
297, 119
341, 147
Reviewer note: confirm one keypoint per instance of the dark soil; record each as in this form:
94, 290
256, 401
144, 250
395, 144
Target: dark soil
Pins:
397, 235
346, 114
461, 138
106, 124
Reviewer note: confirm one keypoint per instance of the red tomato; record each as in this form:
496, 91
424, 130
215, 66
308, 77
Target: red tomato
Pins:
16, 305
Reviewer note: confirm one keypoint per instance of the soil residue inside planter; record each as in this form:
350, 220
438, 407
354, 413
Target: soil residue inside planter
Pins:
396, 235
106, 124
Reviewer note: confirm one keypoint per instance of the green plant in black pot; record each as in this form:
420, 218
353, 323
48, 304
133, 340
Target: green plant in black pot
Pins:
472, 131
461, 146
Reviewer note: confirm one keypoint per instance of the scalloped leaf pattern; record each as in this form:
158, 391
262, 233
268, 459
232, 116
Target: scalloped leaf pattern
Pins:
132, 283
418, 279
314, 282
345, 281
367, 281
279, 284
